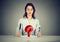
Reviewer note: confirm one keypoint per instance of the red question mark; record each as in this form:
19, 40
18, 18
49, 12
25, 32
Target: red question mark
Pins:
28, 29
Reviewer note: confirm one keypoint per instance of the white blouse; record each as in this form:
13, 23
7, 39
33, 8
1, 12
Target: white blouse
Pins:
23, 22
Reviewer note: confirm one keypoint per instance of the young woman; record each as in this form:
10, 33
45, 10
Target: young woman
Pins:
28, 19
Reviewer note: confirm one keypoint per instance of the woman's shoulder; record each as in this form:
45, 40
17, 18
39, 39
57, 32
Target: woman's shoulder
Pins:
21, 18
37, 20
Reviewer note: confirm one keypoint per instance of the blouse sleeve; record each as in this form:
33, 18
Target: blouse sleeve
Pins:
37, 27
19, 27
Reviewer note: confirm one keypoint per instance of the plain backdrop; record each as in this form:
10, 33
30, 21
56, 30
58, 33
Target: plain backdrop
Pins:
47, 11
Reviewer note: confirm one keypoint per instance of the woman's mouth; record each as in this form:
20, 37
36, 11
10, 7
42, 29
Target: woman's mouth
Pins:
30, 13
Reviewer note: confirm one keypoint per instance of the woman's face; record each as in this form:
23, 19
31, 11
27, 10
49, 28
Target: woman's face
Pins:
29, 10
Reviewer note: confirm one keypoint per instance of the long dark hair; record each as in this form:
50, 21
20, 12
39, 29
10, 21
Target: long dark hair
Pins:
25, 14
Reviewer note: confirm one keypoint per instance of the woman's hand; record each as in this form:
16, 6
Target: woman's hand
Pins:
18, 34
38, 34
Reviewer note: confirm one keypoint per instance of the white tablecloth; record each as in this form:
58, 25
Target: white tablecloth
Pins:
11, 38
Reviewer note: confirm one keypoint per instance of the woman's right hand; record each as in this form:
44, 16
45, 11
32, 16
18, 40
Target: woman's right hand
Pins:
18, 34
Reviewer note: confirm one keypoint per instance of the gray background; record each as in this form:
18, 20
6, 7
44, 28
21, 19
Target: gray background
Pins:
47, 11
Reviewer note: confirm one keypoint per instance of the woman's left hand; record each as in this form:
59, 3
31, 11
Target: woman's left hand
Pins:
38, 34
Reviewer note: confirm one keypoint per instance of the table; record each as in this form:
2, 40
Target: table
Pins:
44, 38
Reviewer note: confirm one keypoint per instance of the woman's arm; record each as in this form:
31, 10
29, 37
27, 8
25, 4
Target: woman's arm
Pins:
18, 31
38, 31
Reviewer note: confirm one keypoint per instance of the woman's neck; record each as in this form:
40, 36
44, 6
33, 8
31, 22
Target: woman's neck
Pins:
29, 17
